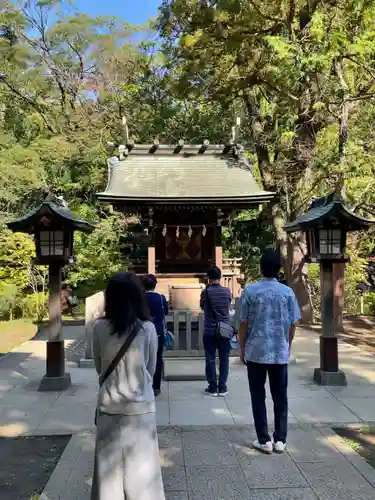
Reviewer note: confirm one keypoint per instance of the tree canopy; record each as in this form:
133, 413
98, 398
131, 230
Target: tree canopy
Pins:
300, 74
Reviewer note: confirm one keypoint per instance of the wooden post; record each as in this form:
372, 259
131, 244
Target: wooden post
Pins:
151, 258
55, 379
176, 330
200, 330
328, 373
188, 330
338, 292
218, 245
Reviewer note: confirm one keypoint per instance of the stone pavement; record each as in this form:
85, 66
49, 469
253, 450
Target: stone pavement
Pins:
205, 441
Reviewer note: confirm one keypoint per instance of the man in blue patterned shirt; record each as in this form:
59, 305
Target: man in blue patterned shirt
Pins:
269, 314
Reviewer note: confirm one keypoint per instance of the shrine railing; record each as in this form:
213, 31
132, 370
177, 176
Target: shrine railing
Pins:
186, 326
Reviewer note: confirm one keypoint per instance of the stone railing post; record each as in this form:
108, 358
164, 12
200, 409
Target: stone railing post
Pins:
94, 309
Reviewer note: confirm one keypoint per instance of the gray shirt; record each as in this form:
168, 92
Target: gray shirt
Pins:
128, 390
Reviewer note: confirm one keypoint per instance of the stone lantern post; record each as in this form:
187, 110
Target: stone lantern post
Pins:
53, 228
326, 225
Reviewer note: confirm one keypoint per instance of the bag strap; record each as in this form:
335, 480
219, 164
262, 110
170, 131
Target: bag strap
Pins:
211, 306
121, 353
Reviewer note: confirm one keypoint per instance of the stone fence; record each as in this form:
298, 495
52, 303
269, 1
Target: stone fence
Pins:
186, 326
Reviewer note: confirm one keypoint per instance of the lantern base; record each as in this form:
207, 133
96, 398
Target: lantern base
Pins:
324, 378
55, 383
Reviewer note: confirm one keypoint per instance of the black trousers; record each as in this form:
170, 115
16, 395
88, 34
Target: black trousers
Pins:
156, 384
278, 378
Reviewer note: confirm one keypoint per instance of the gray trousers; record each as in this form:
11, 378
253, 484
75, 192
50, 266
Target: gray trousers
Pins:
127, 463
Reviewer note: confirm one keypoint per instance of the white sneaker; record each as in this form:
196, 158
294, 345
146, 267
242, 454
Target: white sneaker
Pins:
279, 447
264, 448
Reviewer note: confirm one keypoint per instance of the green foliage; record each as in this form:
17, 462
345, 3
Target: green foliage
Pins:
98, 256
34, 306
294, 75
8, 299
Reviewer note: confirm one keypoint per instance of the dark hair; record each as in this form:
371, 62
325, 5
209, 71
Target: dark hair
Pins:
270, 263
214, 273
149, 282
125, 302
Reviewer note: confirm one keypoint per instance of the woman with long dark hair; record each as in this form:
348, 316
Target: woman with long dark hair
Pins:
125, 347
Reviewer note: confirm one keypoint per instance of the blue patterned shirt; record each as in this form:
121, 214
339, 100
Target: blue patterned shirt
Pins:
270, 309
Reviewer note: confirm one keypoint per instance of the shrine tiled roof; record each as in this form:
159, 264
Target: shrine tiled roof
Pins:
182, 174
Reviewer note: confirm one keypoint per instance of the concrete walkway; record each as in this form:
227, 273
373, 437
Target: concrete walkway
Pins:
204, 441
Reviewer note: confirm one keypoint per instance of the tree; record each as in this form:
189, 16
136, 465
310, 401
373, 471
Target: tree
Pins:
299, 69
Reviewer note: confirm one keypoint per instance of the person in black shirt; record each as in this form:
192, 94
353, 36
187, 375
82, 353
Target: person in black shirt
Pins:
158, 307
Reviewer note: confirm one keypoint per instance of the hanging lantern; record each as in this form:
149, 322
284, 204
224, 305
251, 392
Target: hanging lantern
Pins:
164, 232
190, 232
204, 230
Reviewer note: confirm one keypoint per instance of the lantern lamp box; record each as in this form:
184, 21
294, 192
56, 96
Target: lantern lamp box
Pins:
53, 227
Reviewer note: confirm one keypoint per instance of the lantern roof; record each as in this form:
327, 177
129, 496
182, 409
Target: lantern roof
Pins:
325, 209
55, 212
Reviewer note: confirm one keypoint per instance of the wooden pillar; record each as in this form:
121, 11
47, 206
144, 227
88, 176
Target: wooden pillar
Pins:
338, 293
55, 379
218, 241
328, 373
151, 257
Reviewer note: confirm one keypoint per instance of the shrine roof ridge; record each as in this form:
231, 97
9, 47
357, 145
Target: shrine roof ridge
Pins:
180, 149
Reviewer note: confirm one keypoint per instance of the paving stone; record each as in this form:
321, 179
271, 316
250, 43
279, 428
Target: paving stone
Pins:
311, 446
282, 494
174, 478
162, 413
337, 481
308, 411
364, 408
176, 495
203, 411
186, 390
216, 483
81, 418
243, 415
353, 391
209, 447
170, 447
269, 471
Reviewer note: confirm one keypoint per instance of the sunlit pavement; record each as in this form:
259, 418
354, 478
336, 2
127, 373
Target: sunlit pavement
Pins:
204, 441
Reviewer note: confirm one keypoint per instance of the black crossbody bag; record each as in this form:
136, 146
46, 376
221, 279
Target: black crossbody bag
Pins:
116, 360
223, 329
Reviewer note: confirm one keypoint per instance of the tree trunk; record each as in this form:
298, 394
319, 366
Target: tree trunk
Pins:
291, 254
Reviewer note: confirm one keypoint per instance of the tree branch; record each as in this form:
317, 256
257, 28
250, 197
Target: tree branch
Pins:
38, 107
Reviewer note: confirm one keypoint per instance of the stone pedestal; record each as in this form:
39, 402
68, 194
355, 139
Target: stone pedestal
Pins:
94, 309
55, 379
186, 297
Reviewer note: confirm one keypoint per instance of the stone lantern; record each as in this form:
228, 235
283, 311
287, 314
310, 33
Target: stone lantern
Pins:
326, 225
53, 228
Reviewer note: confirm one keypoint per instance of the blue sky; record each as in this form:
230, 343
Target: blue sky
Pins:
132, 11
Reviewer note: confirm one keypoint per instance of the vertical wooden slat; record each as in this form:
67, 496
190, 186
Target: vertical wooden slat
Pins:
188, 331
200, 330
176, 331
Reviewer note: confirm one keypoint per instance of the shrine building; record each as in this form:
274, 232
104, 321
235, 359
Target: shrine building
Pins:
184, 195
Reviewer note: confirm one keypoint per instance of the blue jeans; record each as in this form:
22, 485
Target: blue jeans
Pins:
211, 344
278, 378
